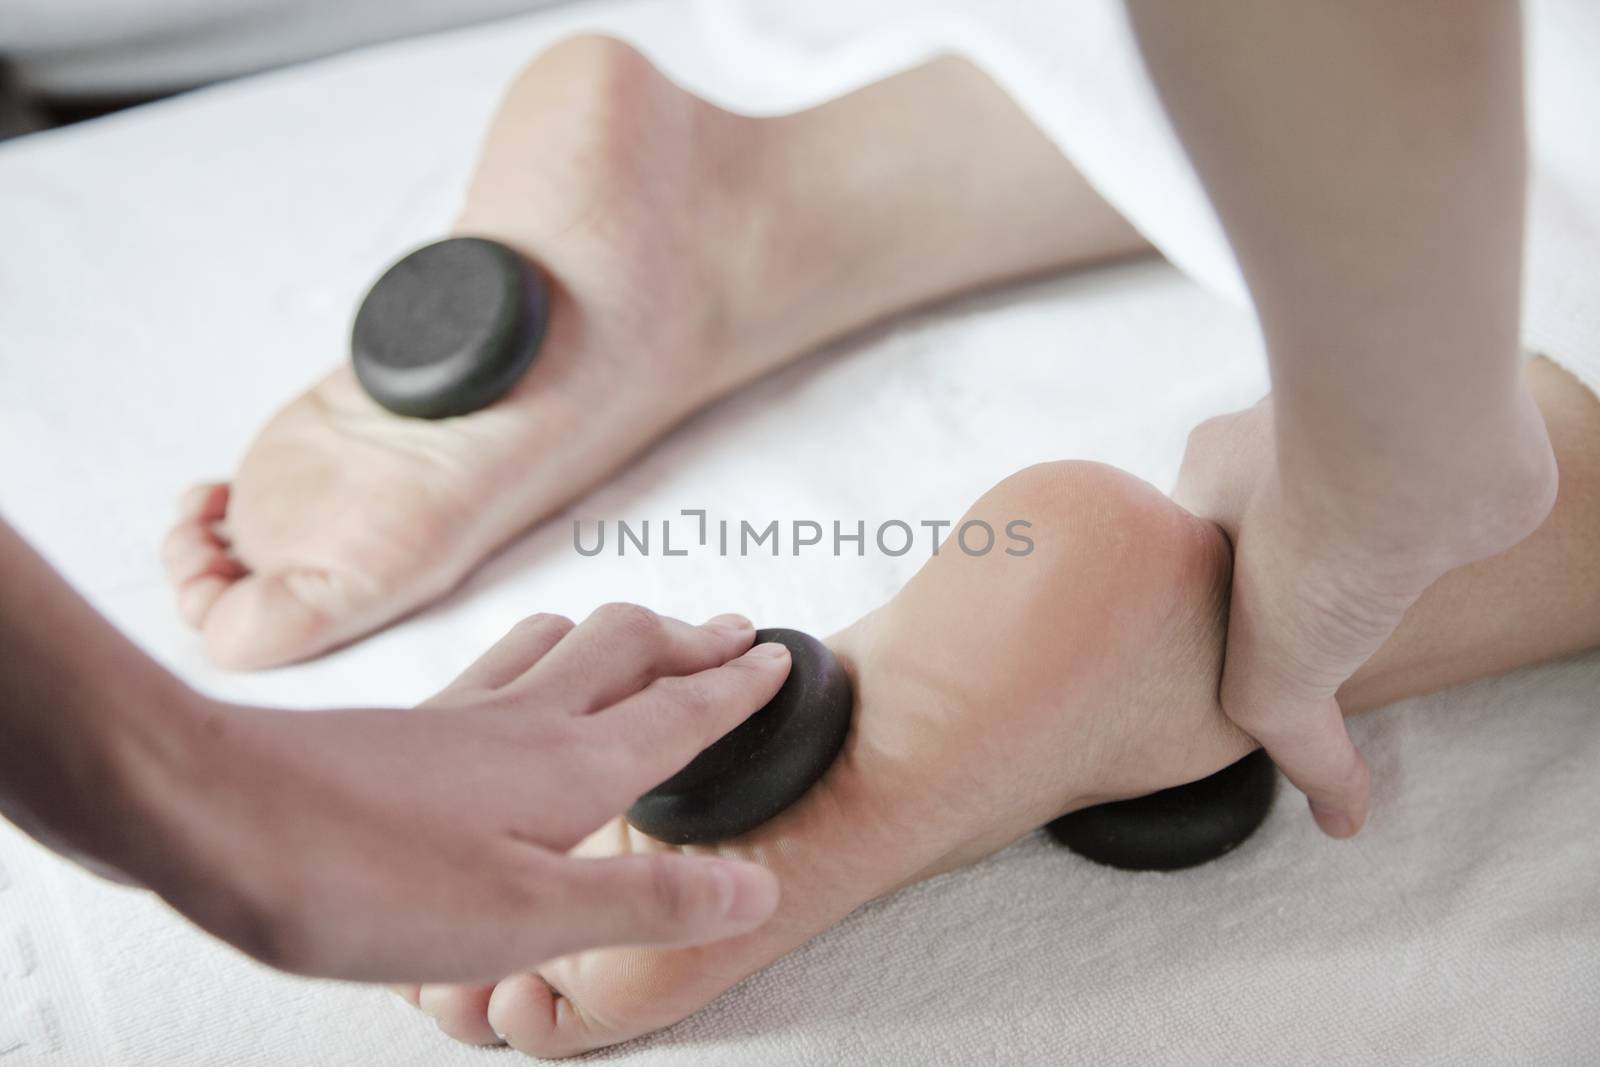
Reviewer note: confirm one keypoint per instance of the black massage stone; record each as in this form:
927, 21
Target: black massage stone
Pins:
1180, 827
766, 762
450, 328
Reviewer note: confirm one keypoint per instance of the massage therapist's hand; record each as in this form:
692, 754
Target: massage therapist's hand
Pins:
384, 845
1321, 579
431, 844
1368, 164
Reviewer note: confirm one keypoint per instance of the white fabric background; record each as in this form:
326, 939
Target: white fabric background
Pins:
134, 47
168, 277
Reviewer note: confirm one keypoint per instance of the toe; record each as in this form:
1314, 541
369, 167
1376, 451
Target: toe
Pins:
409, 992
197, 596
462, 1011
193, 549
197, 558
199, 564
206, 502
533, 1018
263, 620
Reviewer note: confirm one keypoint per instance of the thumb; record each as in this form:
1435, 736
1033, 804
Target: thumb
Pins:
1287, 651
663, 899
1312, 747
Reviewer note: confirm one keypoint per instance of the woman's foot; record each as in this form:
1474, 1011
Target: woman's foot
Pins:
343, 516
692, 250
993, 694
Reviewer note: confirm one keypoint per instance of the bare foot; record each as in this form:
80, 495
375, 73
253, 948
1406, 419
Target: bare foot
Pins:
343, 516
692, 250
993, 694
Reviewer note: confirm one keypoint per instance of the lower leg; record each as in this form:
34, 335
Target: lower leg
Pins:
1537, 601
926, 184
995, 693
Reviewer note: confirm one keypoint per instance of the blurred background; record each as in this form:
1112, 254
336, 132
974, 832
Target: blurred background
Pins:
63, 61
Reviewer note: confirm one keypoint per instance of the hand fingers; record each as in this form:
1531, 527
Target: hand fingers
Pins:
1300, 726
622, 648
652, 735
663, 899
1313, 749
1199, 489
660, 899
524, 645
1222, 462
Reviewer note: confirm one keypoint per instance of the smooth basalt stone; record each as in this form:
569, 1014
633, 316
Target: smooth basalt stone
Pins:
765, 763
449, 328
1180, 827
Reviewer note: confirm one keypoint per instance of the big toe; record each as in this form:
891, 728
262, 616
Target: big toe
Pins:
461, 1011
531, 1017
595, 999
266, 619
249, 619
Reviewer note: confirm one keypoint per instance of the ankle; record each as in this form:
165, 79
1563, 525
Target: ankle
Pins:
1406, 526
778, 239
913, 189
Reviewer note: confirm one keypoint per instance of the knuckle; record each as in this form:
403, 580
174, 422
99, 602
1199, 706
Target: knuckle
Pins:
1274, 732
629, 621
1250, 717
1206, 434
674, 902
691, 694
1196, 485
1357, 778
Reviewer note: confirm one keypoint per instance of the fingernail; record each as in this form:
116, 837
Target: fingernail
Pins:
740, 899
770, 650
731, 621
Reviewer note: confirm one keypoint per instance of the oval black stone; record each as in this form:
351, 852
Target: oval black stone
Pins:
765, 763
1180, 827
449, 328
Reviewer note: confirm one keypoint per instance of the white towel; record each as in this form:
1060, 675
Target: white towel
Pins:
168, 277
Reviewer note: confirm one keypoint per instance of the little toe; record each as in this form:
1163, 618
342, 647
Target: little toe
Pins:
205, 502
461, 1011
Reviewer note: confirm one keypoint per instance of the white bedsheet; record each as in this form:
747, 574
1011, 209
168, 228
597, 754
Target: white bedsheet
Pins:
169, 276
